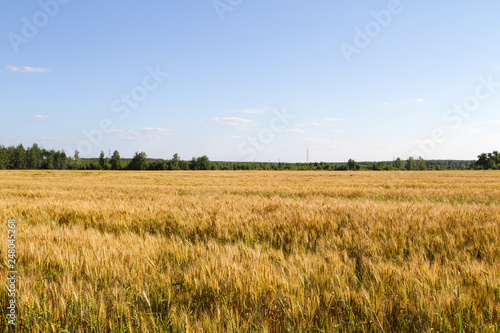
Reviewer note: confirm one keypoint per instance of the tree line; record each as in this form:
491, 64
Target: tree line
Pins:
488, 161
34, 157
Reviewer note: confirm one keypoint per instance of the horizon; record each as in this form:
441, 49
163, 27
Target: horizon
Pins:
252, 81
108, 153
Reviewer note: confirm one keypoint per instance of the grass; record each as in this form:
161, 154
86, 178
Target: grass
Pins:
254, 251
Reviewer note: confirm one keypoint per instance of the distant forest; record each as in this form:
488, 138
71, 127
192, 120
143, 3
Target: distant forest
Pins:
34, 157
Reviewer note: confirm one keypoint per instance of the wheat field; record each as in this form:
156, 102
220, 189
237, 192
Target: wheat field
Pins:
254, 251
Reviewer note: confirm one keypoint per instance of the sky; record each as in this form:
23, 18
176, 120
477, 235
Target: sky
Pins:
260, 80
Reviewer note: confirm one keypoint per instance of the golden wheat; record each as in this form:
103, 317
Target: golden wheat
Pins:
254, 251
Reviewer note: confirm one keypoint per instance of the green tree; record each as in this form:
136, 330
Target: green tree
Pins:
398, 164
203, 163
116, 161
183, 165
380, 166
102, 161
59, 160
420, 164
48, 159
192, 164
496, 156
75, 164
493, 160
174, 163
482, 161
139, 161
410, 163
353, 165
157, 165
34, 157
3, 157
19, 157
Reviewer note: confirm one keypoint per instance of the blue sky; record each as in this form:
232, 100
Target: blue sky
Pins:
252, 80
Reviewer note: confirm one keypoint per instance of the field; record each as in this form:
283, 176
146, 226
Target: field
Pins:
254, 251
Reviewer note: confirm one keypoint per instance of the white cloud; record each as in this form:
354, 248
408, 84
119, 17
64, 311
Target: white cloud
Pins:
471, 128
471, 131
329, 122
148, 133
28, 69
39, 117
311, 140
315, 124
380, 146
234, 122
224, 138
404, 102
163, 131
489, 122
45, 138
297, 130
334, 119
249, 111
